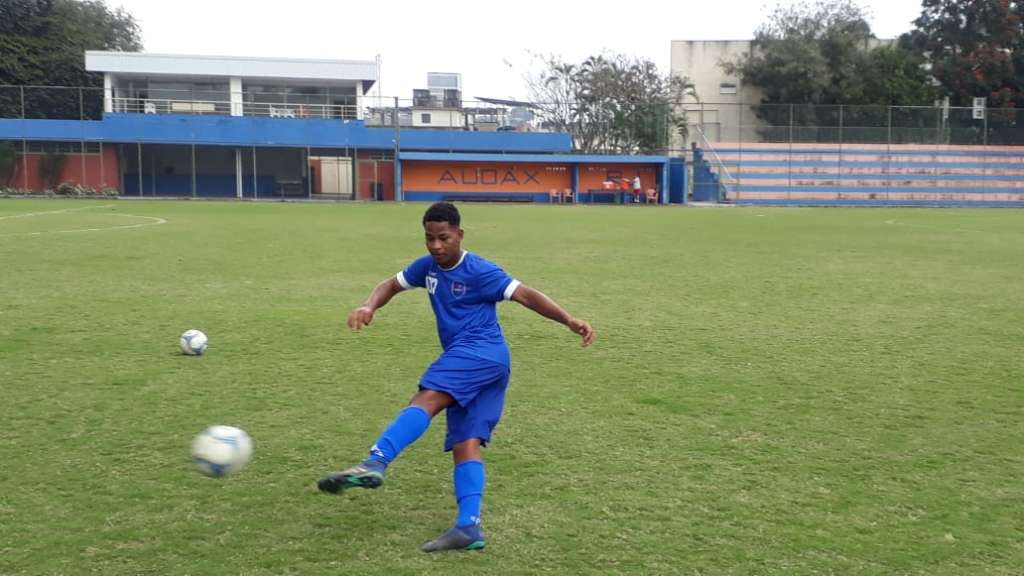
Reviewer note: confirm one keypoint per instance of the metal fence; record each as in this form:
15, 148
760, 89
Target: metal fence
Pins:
89, 103
799, 123
714, 122
51, 102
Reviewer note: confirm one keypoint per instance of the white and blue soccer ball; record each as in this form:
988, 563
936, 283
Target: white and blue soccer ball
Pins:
193, 342
221, 450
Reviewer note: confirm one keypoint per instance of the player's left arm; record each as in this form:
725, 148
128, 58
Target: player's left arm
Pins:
541, 304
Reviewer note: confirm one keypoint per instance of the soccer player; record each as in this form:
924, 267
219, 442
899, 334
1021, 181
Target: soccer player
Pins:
468, 380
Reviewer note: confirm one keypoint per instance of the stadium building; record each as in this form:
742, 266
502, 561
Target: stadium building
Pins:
237, 127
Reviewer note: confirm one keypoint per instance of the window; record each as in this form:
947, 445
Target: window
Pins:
37, 147
425, 118
727, 88
442, 80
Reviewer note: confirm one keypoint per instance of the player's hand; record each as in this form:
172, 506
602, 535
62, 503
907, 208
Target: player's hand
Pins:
360, 317
582, 327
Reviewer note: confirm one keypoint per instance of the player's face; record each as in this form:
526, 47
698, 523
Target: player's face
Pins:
444, 242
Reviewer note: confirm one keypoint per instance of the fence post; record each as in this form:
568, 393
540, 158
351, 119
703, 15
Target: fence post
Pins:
984, 128
740, 108
888, 124
138, 147
399, 194
790, 126
22, 102
888, 153
255, 180
789, 157
839, 157
840, 124
24, 164
81, 116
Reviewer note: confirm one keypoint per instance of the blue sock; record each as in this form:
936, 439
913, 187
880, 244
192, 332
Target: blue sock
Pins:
409, 425
469, 491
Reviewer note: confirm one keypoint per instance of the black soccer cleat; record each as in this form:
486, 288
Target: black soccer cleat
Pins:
467, 538
368, 474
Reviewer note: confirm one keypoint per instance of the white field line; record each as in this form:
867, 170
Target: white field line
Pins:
895, 222
154, 221
64, 211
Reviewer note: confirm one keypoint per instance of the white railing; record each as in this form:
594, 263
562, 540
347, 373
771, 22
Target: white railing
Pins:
289, 110
225, 108
168, 106
726, 181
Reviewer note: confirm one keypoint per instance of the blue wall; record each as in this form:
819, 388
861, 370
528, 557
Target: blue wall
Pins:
207, 186
706, 186
677, 181
287, 132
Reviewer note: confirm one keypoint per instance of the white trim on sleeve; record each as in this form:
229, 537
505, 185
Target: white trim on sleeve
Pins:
511, 289
401, 280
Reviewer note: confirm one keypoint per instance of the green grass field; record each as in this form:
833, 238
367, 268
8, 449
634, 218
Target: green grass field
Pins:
773, 391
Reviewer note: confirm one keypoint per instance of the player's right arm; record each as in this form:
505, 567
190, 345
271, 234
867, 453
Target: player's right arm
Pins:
414, 276
381, 295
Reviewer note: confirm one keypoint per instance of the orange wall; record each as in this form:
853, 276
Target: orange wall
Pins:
421, 176
385, 174
93, 176
592, 176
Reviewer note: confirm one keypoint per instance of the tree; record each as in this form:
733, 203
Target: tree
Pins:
611, 104
895, 76
976, 49
43, 43
8, 157
825, 55
806, 53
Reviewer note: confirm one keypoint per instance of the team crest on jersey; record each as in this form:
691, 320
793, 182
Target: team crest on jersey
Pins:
431, 284
458, 289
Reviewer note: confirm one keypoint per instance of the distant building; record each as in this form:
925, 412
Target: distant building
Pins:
724, 113
440, 85
232, 86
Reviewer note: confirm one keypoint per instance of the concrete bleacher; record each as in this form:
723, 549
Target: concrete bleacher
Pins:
869, 174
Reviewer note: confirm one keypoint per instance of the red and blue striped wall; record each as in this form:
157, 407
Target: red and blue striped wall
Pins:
869, 174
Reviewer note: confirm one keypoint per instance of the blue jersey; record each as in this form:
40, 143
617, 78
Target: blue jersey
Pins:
463, 298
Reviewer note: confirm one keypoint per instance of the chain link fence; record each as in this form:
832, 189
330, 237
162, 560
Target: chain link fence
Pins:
802, 124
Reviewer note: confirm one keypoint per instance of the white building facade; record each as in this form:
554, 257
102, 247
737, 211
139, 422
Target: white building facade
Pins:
234, 86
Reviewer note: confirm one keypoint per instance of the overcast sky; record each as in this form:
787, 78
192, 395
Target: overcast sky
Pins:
489, 43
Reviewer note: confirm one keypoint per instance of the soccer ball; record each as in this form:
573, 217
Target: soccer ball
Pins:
193, 342
221, 450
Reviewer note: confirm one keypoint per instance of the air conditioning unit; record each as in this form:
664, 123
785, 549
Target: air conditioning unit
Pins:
452, 98
422, 99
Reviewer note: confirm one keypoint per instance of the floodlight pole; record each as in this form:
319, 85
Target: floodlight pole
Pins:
399, 195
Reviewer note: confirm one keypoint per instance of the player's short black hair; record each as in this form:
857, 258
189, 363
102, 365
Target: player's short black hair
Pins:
443, 212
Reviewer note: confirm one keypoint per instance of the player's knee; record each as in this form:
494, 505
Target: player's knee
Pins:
432, 401
467, 450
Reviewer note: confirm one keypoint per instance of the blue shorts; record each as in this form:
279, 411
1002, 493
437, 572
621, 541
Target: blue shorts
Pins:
478, 387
